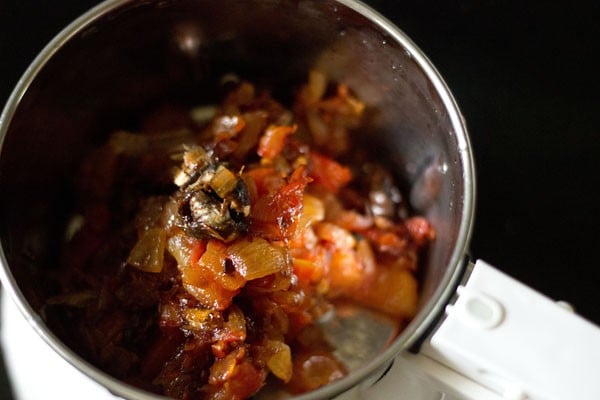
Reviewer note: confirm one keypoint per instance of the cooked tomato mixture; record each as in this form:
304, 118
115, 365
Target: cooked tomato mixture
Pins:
207, 245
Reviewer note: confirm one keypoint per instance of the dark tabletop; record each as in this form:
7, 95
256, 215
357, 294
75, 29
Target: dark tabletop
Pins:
525, 75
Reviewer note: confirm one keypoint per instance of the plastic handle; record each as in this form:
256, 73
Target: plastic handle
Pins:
517, 342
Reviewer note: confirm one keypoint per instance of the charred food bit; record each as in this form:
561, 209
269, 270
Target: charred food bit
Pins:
213, 201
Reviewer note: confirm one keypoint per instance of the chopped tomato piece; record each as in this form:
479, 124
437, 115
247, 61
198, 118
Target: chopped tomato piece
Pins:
200, 282
272, 141
328, 173
393, 291
276, 214
420, 230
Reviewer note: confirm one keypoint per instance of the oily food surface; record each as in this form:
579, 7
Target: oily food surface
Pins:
208, 244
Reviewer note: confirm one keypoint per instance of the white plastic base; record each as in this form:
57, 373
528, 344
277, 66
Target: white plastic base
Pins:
517, 342
415, 376
36, 372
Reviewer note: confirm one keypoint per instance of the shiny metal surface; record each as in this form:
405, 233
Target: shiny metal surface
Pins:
112, 63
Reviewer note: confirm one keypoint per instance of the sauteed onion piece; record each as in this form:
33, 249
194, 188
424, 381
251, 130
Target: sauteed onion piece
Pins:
257, 258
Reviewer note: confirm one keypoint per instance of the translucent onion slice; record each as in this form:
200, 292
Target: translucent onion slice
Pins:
224, 368
315, 89
148, 252
313, 211
197, 317
256, 258
236, 323
280, 360
208, 293
314, 368
180, 246
200, 282
223, 182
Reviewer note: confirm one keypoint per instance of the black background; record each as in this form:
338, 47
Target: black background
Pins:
525, 75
